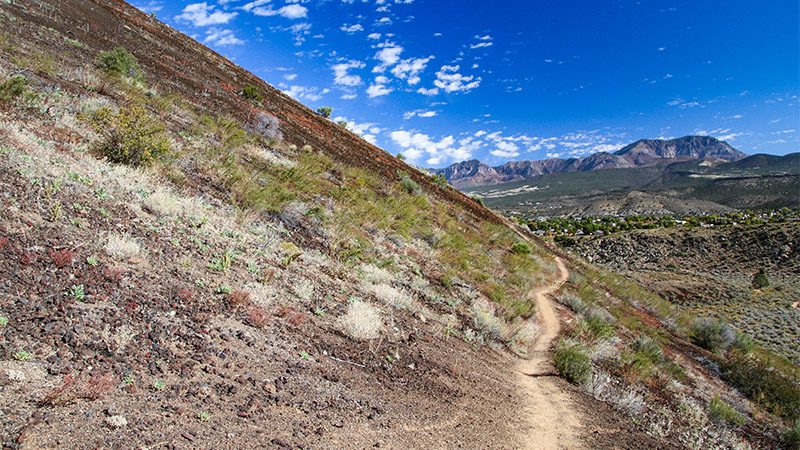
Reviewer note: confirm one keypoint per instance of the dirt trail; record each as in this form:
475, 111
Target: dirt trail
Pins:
550, 411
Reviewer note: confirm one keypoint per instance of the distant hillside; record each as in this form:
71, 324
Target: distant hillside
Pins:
640, 153
662, 187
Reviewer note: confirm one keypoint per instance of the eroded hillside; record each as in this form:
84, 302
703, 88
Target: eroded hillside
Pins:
192, 259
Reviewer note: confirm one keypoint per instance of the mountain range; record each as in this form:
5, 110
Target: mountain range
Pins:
641, 153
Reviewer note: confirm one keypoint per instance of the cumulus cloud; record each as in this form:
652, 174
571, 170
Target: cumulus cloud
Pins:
355, 28
264, 8
409, 69
416, 146
368, 131
450, 80
378, 89
311, 94
342, 76
150, 7
203, 14
420, 113
388, 56
428, 91
221, 38
482, 42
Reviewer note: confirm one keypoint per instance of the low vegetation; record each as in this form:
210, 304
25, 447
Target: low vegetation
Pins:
572, 361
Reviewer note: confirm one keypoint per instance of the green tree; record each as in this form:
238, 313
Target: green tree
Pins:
325, 111
760, 279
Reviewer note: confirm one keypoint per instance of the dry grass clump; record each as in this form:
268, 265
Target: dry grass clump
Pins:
375, 275
486, 321
389, 295
121, 246
163, 203
261, 294
361, 321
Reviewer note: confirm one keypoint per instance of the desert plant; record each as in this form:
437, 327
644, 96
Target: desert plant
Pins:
792, 436
13, 88
486, 321
362, 320
648, 348
572, 361
252, 93
408, 184
132, 136
122, 246
520, 248
119, 62
440, 180
23, 355
713, 335
758, 380
267, 126
720, 411
760, 279
325, 111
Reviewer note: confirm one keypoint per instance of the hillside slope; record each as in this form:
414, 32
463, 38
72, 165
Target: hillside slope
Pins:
189, 258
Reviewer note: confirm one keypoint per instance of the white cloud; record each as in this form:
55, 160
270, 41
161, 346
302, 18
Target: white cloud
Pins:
374, 36
420, 113
341, 75
417, 145
201, 15
506, 149
290, 11
429, 92
311, 94
449, 80
355, 28
409, 69
221, 38
378, 90
482, 42
368, 131
388, 56
290, 76
150, 7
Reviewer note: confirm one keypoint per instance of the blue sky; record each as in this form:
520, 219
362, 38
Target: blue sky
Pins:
443, 81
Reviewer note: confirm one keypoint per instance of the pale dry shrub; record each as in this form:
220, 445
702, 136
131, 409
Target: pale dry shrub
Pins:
375, 275
261, 294
121, 246
303, 289
361, 321
389, 295
486, 321
523, 336
163, 203
85, 77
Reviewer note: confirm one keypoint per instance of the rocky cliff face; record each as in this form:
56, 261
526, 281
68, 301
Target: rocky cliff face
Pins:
637, 154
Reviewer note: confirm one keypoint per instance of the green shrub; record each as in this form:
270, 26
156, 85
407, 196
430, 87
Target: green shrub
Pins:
440, 180
723, 412
760, 279
13, 88
761, 382
133, 136
648, 348
119, 62
520, 248
408, 184
792, 437
599, 327
572, 361
713, 335
565, 241
252, 93
325, 111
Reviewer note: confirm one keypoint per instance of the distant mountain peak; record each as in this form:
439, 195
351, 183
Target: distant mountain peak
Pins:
637, 154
